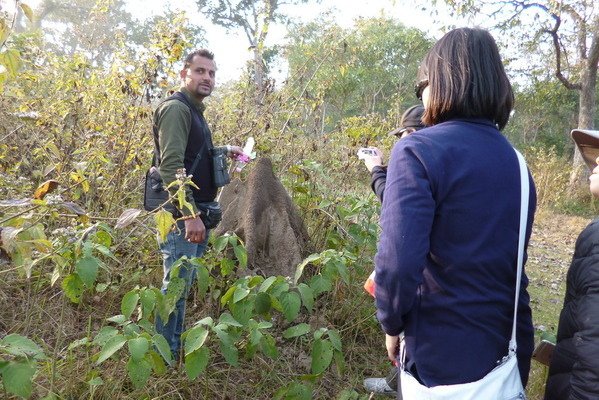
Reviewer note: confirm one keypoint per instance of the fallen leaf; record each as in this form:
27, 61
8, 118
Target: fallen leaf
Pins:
45, 188
127, 217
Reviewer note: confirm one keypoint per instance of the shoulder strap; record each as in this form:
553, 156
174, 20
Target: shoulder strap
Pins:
524, 194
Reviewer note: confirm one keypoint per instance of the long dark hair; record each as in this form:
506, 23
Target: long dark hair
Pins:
466, 78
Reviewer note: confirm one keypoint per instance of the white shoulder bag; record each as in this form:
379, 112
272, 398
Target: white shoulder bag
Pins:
503, 382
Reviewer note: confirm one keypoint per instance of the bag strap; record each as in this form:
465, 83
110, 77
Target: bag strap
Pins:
524, 194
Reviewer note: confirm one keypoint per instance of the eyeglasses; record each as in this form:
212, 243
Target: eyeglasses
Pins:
419, 88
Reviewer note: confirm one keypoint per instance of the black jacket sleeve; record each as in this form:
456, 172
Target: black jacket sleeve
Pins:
378, 179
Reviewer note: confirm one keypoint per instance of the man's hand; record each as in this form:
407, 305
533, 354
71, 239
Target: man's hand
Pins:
392, 344
234, 151
195, 231
375, 160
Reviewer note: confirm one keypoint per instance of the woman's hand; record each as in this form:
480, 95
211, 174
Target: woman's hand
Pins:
392, 344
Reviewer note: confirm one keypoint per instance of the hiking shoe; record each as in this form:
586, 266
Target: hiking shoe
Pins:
379, 386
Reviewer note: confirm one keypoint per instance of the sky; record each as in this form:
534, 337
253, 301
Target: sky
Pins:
231, 48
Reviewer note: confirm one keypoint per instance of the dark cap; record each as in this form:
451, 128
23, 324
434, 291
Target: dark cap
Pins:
411, 118
587, 142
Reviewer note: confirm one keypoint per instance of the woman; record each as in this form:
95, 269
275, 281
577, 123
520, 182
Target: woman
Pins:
574, 369
446, 260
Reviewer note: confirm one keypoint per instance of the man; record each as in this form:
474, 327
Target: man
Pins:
411, 121
184, 141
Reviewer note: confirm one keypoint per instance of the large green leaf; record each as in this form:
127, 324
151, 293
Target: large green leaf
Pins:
322, 355
195, 339
291, 305
163, 348
203, 278
335, 339
319, 284
138, 348
269, 347
226, 318
139, 372
110, 347
242, 256
21, 346
240, 294
148, 302
227, 347
106, 333
307, 295
129, 303
11, 59
263, 303
16, 378
300, 268
196, 362
72, 286
87, 269
295, 331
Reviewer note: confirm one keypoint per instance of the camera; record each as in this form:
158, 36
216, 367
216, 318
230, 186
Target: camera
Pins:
364, 152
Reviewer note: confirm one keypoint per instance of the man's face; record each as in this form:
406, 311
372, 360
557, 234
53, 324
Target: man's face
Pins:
198, 78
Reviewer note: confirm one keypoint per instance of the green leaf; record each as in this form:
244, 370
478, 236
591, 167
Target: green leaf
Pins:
291, 305
164, 223
227, 347
196, 362
129, 303
269, 347
294, 391
174, 291
76, 343
195, 339
157, 362
228, 319
220, 243
87, 269
267, 283
118, 319
342, 270
148, 302
11, 59
72, 286
295, 331
163, 348
263, 303
322, 355
139, 372
242, 256
335, 339
138, 348
104, 335
242, 311
300, 268
21, 346
113, 345
203, 278
307, 295
339, 362
16, 378
240, 294
320, 284
228, 295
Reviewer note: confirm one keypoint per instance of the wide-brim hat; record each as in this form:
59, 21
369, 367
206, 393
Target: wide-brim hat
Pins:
587, 142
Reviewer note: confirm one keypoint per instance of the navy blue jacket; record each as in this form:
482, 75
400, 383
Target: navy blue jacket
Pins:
446, 260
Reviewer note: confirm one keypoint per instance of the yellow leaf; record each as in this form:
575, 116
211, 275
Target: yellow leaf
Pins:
11, 60
164, 223
3, 30
27, 11
45, 188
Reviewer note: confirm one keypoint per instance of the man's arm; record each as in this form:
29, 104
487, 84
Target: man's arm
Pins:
173, 120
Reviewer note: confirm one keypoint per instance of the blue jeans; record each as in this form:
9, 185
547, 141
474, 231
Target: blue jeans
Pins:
174, 247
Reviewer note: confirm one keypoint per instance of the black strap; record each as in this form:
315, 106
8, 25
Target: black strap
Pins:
183, 99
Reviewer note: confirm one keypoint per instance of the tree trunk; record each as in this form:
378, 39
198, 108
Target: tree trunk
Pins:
586, 113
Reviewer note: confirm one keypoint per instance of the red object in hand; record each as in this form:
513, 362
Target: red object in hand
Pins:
369, 284
243, 158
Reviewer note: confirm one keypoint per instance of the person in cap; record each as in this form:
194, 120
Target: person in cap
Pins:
574, 367
411, 121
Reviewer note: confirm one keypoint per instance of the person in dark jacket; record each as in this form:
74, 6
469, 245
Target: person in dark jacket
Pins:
574, 368
446, 263
411, 121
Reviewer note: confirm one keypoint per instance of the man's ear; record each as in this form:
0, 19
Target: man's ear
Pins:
183, 73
